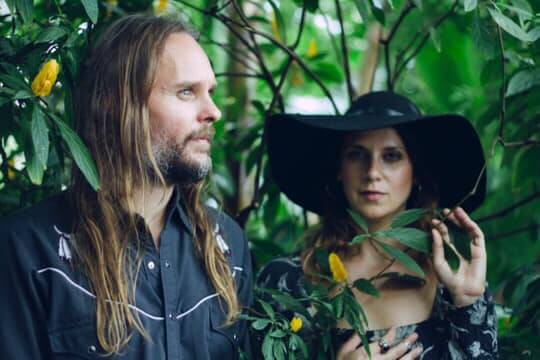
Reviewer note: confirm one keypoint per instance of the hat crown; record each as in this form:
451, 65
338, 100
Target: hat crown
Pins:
383, 103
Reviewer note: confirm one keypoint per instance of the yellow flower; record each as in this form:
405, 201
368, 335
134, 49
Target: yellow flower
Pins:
111, 4
296, 324
161, 6
339, 273
45, 79
312, 50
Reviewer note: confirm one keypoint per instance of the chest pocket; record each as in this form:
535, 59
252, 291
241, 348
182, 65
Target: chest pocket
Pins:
223, 339
77, 342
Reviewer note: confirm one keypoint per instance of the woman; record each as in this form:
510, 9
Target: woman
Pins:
380, 158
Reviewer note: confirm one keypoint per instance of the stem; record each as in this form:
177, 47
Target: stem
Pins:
503, 84
350, 90
510, 208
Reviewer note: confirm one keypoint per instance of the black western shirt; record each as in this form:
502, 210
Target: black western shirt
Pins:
47, 308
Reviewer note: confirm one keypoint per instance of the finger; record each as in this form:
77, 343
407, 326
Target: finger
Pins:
350, 345
469, 225
401, 348
413, 354
442, 229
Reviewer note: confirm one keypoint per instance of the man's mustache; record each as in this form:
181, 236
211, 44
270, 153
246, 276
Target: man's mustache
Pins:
208, 133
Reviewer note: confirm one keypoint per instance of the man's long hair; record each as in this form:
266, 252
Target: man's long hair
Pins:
113, 120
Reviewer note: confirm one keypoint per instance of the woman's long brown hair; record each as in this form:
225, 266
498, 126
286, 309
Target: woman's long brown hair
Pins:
113, 120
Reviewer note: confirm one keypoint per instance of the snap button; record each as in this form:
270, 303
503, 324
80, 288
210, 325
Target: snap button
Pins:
167, 264
171, 316
91, 349
235, 337
151, 265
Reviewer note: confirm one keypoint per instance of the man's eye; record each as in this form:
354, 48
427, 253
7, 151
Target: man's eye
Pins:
185, 93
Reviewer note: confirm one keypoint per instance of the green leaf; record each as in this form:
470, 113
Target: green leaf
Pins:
267, 347
451, 257
534, 34
509, 25
328, 72
522, 81
280, 23
40, 135
378, 14
278, 333
279, 350
51, 34
79, 152
526, 170
360, 238
22, 94
267, 309
418, 4
460, 239
14, 82
412, 237
403, 258
407, 217
483, 37
91, 8
435, 38
470, 5
260, 324
26, 9
358, 219
366, 286
33, 167
363, 9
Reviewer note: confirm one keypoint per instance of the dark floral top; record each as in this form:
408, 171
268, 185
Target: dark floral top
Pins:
450, 333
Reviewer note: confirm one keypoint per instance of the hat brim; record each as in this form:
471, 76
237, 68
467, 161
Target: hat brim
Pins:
303, 152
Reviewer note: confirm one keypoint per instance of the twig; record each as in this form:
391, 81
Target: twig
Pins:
233, 53
346, 67
386, 42
510, 208
401, 66
527, 142
515, 232
503, 84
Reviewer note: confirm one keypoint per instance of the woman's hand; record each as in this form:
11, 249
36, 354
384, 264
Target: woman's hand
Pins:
352, 350
468, 283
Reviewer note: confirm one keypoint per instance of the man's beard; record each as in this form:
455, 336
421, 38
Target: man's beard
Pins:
174, 162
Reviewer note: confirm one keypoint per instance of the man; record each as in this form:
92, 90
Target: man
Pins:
139, 269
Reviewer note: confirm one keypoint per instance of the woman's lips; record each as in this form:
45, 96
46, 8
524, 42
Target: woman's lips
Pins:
372, 195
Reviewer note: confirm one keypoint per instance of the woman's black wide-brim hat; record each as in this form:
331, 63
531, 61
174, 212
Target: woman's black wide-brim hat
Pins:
303, 149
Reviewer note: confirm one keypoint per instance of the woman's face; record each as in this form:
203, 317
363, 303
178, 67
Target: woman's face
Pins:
377, 175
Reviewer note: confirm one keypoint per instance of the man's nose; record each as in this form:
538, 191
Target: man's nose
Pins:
210, 112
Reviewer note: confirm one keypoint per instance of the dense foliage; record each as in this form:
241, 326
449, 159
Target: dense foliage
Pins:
478, 58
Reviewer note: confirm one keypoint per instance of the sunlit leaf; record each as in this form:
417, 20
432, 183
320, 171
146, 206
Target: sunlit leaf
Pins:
470, 5
509, 25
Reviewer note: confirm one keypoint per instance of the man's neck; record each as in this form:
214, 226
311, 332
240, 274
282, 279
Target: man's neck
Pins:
152, 204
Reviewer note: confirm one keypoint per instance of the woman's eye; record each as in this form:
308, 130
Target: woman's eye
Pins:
392, 156
356, 155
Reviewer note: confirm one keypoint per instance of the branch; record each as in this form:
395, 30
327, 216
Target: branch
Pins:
350, 90
510, 208
401, 66
515, 232
503, 84
386, 42
527, 142
233, 53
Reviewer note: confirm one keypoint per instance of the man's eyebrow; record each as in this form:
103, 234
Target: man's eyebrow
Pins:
189, 84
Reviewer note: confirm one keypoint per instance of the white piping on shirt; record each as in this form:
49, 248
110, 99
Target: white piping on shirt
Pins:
153, 317
73, 283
